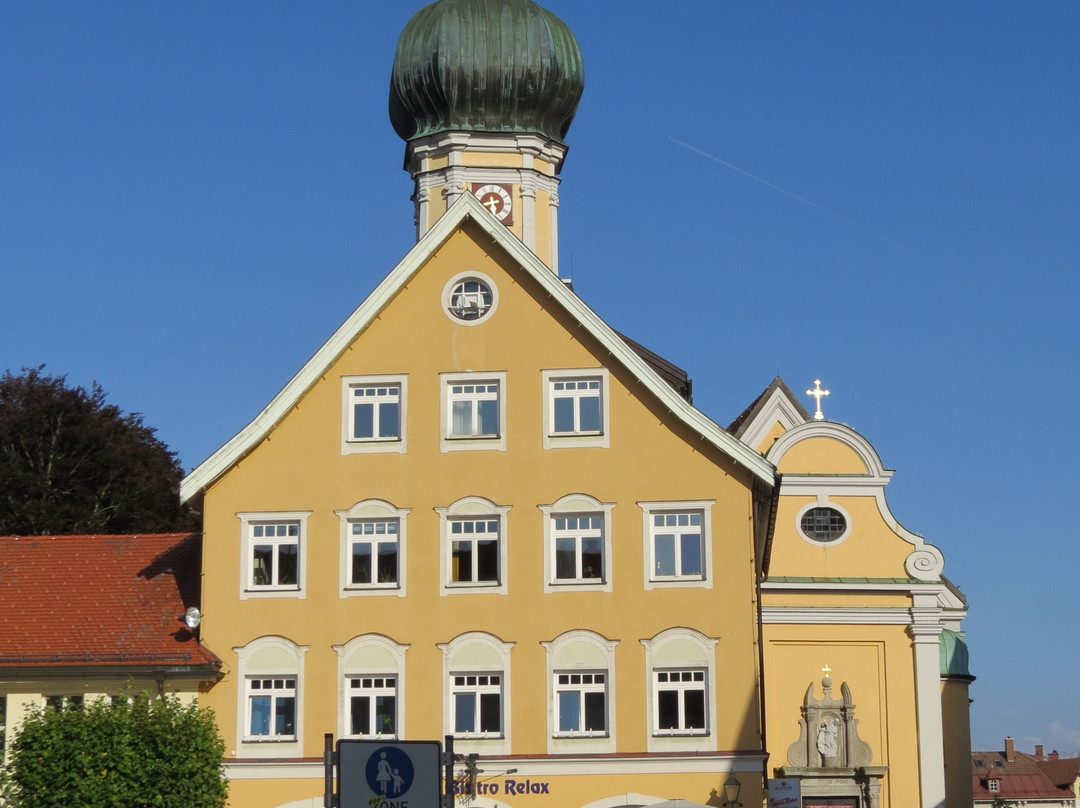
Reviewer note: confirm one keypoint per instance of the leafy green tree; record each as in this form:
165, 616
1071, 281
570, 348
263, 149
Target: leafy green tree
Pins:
147, 753
72, 463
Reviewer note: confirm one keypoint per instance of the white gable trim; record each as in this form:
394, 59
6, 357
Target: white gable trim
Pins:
778, 407
467, 207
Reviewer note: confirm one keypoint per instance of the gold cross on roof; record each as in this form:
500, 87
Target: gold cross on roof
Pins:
819, 394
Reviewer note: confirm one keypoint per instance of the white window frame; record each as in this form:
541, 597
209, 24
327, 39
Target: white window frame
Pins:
248, 522
576, 505
269, 658
462, 277
371, 686
703, 507
371, 510
477, 653
681, 681
274, 688
576, 439
680, 649
464, 443
376, 656
470, 509
477, 684
580, 651
583, 683
61, 701
353, 445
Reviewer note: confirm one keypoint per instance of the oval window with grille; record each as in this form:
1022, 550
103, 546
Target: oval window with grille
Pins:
823, 525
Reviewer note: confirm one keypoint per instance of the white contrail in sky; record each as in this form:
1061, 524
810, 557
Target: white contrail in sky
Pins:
786, 192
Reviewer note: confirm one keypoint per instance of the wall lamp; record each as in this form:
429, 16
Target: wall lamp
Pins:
192, 617
731, 792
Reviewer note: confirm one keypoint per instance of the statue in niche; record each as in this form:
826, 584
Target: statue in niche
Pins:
826, 740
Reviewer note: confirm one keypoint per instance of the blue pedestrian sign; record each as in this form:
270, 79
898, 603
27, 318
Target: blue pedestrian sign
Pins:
388, 774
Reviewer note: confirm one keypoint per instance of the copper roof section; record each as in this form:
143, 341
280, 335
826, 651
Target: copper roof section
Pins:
676, 378
103, 602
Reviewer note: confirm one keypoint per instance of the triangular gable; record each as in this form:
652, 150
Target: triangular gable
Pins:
777, 405
466, 208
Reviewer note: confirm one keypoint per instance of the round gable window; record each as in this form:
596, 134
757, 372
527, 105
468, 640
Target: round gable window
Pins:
470, 298
823, 525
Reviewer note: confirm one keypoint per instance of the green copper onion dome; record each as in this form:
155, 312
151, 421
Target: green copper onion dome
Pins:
953, 652
485, 66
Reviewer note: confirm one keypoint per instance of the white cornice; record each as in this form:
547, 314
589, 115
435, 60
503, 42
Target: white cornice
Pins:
835, 616
940, 592
466, 208
548, 766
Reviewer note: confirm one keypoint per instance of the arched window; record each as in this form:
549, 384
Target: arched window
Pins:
270, 697
473, 547
581, 693
371, 687
680, 665
476, 710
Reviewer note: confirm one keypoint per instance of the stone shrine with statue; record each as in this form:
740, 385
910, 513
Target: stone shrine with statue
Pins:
829, 759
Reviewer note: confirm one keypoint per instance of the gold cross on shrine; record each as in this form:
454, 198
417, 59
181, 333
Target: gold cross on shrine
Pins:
819, 394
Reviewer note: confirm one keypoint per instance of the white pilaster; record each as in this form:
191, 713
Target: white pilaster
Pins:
926, 637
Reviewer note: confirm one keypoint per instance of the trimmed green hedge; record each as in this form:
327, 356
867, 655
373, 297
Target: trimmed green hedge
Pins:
145, 753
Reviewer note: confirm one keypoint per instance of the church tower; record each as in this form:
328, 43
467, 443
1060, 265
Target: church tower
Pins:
483, 93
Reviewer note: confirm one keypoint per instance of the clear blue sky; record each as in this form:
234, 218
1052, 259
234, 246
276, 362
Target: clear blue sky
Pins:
193, 196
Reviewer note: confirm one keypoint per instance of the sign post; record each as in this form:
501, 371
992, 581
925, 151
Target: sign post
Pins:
388, 774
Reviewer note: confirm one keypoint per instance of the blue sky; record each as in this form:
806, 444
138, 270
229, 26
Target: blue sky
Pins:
193, 196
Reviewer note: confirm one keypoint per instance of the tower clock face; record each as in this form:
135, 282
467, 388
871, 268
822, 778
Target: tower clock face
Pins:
497, 199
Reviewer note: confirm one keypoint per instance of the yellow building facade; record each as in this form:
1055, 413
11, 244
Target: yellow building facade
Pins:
853, 596
543, 526
479, 511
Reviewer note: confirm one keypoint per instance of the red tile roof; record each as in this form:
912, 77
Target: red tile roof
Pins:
1018, 779
99, 601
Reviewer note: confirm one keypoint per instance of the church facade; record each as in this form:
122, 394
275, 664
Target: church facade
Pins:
479, 511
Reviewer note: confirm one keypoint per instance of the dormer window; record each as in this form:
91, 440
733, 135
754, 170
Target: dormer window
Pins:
993, 785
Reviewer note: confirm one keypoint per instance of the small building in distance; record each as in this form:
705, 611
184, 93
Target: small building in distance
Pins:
89, 617
1019, 778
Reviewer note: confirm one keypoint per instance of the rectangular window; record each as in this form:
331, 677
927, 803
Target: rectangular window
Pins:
275, 555
376, 412
576, 407
680, 704
581, 704
373, 552
579, 548
678, 547
63, 702
373, 706
473, 409
272, 708
477, 704
474, 551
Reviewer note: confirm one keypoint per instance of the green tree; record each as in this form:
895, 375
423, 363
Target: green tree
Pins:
147, 753
72, 463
